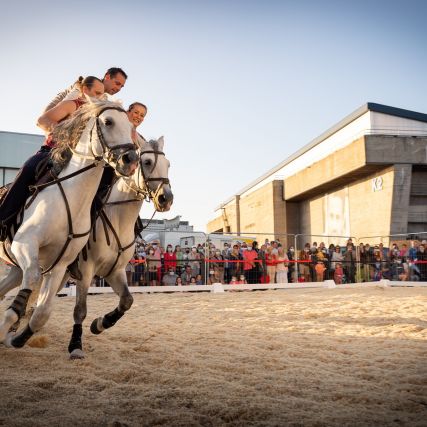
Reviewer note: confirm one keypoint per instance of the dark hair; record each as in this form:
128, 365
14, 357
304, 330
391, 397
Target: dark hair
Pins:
82, 82
137, 103
113, 71
88, 81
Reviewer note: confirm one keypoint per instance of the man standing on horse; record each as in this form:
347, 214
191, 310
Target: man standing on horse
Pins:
114, 80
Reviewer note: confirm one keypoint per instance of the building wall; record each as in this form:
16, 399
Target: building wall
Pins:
358, 209
15, 149
261, 211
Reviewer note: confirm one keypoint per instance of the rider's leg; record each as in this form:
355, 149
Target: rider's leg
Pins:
19, 191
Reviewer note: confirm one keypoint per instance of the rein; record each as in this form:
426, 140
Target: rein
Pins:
146, 194
107, 150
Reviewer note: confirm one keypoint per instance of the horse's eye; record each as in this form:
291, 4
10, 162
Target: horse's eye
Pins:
147, 163
108, 122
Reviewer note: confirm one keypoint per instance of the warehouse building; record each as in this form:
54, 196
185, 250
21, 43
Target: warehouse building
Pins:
365, 176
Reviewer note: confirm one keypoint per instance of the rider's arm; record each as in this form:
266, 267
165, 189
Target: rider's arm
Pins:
48, 120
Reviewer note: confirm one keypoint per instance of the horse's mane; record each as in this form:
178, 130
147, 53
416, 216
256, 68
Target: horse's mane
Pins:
67, 133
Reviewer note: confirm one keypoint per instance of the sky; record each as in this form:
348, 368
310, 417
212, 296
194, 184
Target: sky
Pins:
234, 86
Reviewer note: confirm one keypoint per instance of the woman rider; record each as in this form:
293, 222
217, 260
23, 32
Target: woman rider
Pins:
19, 191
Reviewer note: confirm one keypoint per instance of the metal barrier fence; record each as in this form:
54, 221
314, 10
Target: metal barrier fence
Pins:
191, 256
208, 258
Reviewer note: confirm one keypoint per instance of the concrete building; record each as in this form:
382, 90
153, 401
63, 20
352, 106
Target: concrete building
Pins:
365, 176
15, 149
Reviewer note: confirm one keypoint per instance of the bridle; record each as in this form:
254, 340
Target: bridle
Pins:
111, 155
108, 154
146, 193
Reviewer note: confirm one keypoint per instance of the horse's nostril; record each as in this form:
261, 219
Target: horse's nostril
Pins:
162, 198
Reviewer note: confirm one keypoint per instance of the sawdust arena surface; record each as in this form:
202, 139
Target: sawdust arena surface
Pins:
319, 357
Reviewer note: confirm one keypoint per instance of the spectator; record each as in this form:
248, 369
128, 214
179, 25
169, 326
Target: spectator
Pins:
235, 257
193, 281
153, 262
368, 267
242, 280
305, 258
129, 272
170, 258
282, 266
199, 280
263, 264
349, 259
249, 256
178, 281
186, 275
169, 279
194, 261
335, 258
225, 254
422, 265
338, 273
139, 269
233, 280
179, 256
257, 271
320, 271
270, 259
291, 267
218, 267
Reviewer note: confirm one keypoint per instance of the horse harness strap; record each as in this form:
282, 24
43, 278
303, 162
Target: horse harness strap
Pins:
56, 180
8, 255
71, 234
121, 249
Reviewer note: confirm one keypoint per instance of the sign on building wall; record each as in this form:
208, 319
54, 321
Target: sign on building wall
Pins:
377, 183
337, 214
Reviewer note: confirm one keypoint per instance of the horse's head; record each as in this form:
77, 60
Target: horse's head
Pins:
152, 175
114, 137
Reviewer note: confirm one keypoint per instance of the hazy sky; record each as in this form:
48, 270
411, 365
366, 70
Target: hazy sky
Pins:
234, 86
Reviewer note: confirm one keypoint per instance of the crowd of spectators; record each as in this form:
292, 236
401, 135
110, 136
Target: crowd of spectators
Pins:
242, 262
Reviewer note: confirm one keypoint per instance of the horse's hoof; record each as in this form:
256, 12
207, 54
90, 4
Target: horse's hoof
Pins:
77, 354
96, 326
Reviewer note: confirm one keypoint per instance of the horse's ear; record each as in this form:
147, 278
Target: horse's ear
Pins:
161, 143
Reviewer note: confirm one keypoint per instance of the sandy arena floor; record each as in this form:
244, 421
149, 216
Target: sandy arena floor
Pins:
320, 357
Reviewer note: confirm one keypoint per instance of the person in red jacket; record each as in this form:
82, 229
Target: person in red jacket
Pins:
169, 258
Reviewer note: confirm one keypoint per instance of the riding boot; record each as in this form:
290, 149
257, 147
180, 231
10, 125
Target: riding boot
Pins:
74, 270
3, 232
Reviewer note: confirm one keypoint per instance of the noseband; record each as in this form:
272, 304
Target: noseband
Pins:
146, 193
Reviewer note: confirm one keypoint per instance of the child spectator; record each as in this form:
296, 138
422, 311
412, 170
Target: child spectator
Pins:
338, 273
320, 271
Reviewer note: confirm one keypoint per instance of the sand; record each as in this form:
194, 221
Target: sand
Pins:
319, 357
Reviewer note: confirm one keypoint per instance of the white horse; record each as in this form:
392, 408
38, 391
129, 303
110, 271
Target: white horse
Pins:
110, 251
56, 225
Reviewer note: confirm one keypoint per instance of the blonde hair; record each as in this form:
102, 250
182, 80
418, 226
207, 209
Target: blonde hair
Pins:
67, 133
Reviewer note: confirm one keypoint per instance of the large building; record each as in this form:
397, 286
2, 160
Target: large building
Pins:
365, 176
15, 149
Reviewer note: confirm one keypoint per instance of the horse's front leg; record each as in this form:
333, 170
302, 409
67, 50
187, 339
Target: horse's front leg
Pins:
117, 280
26, 254
75, 347
50, 286
11, 281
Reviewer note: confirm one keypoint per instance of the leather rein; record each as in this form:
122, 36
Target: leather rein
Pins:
142, 194
106, 150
